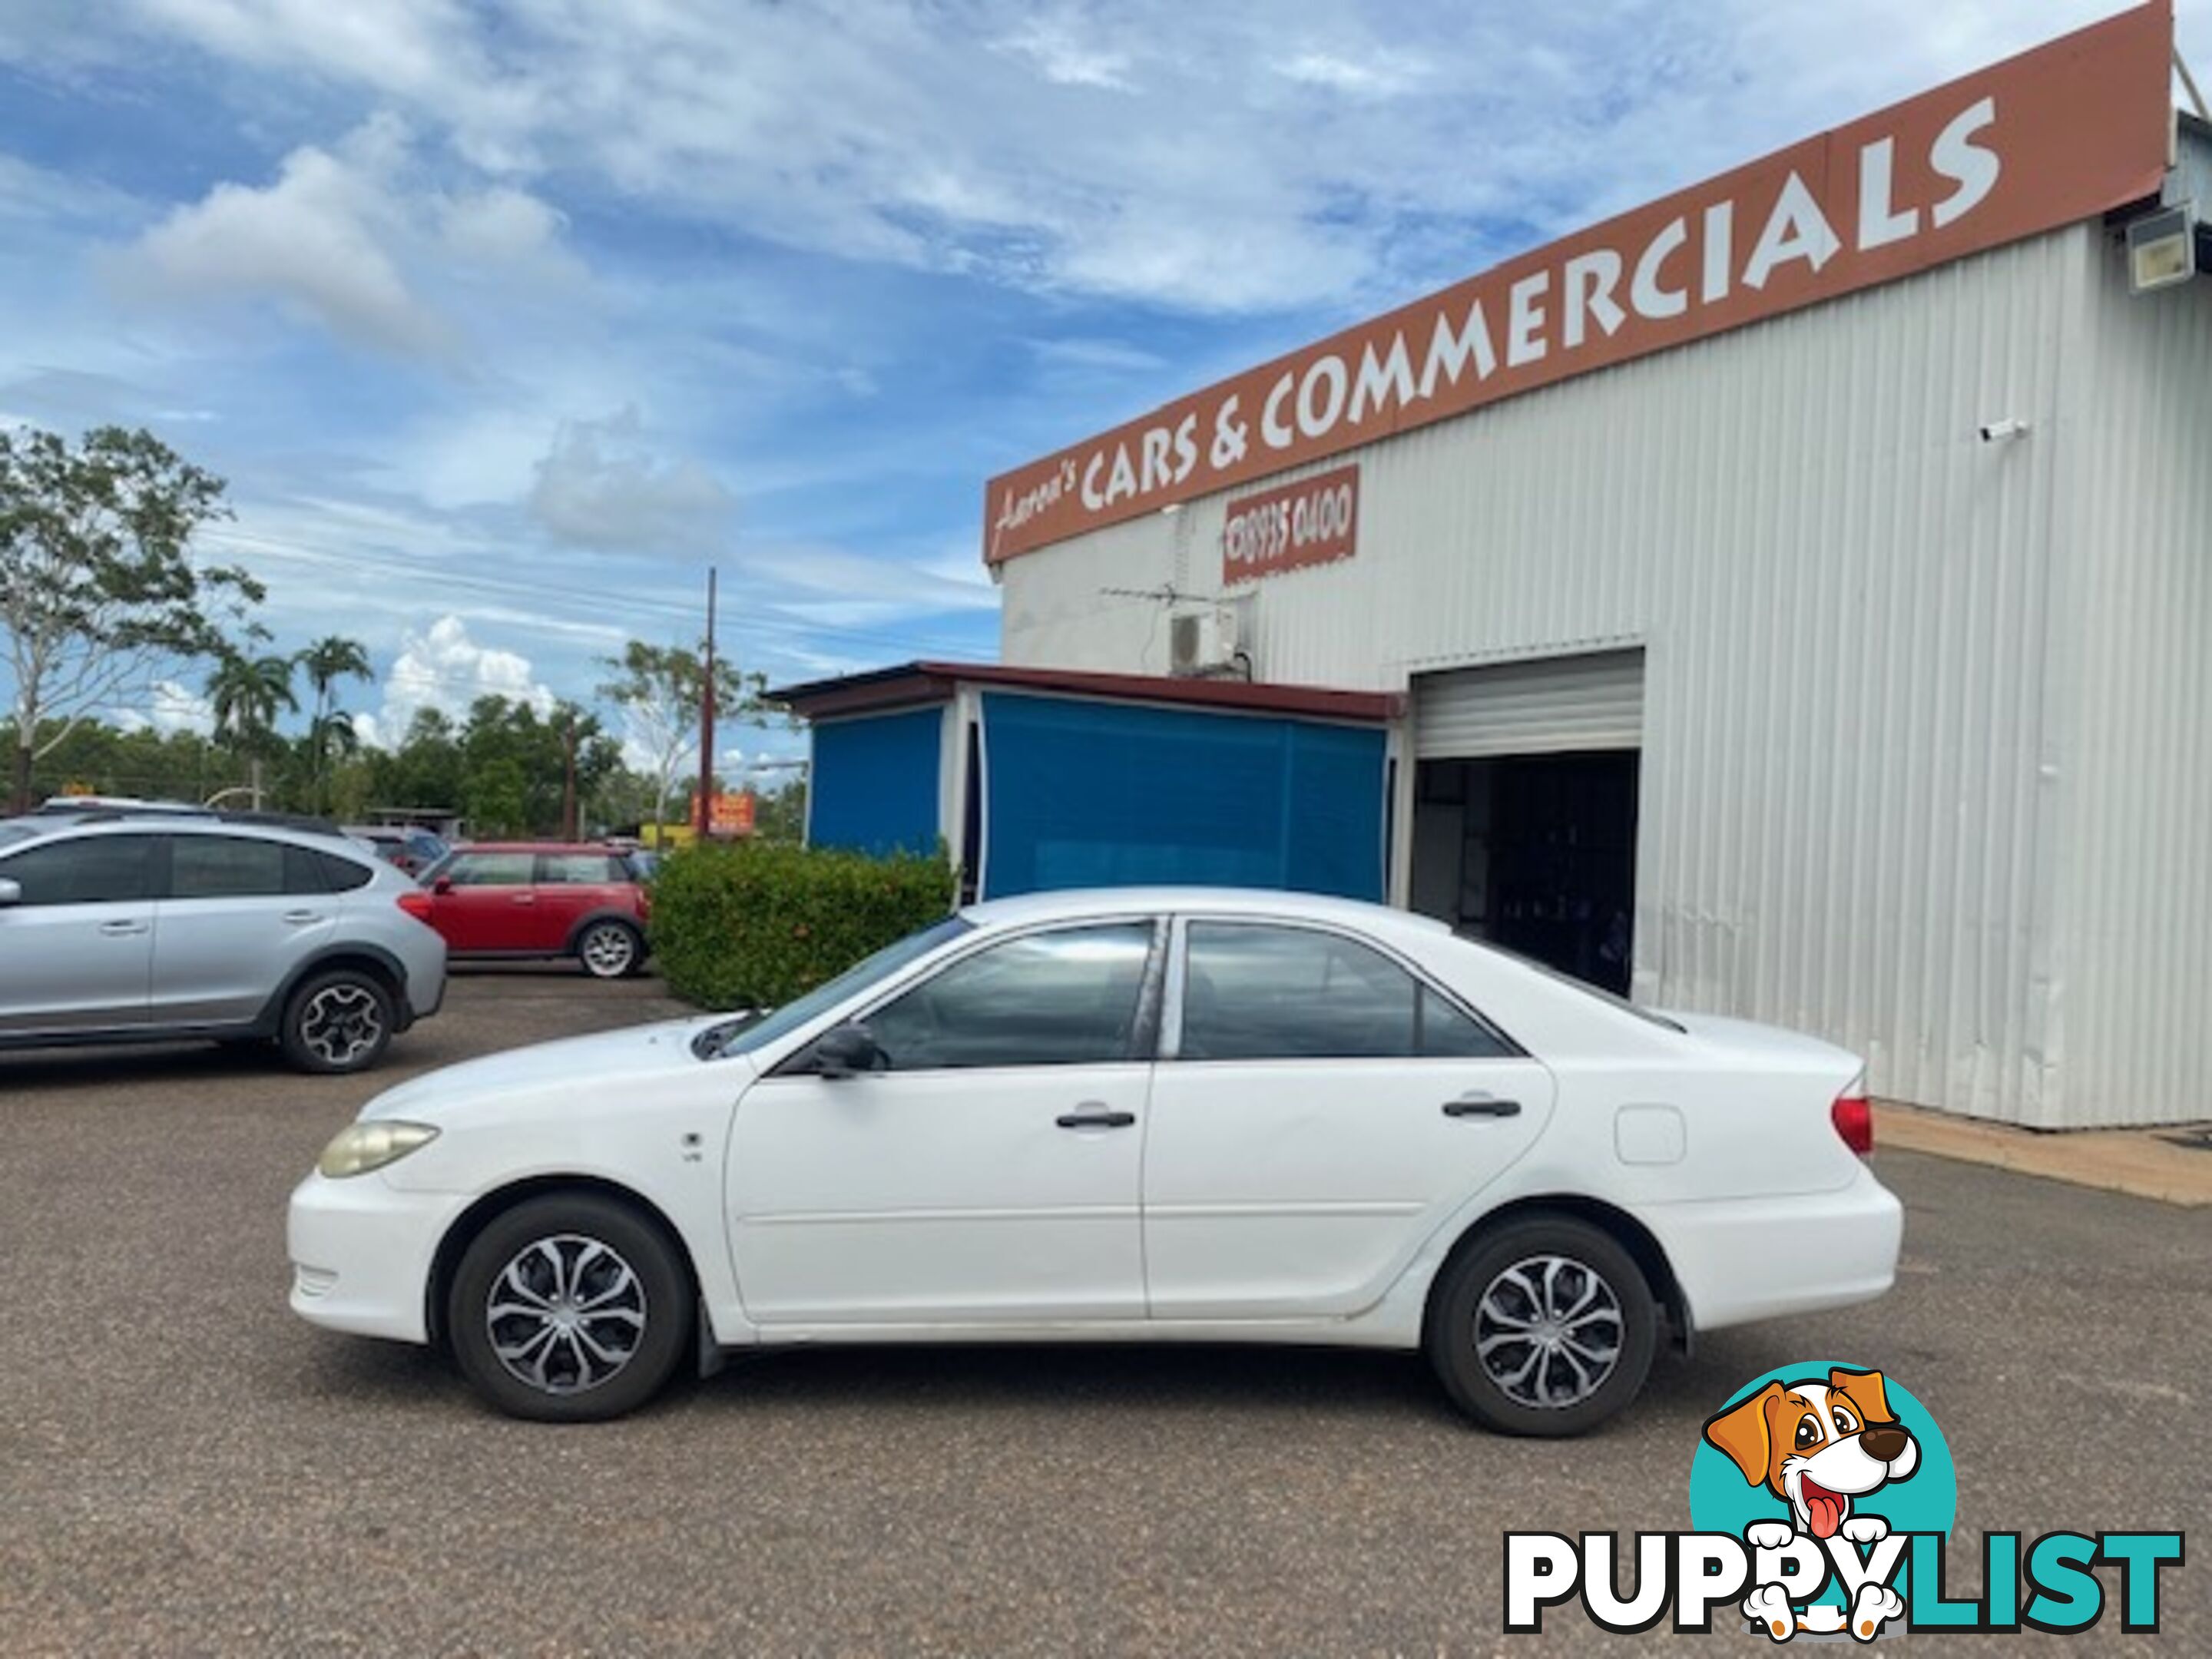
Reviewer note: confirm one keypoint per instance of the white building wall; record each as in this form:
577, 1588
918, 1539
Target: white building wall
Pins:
2132, 974
1845, 600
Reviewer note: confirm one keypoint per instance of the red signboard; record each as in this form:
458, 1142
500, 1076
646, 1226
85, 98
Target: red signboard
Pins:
1311, 522
2054, 136
727, 815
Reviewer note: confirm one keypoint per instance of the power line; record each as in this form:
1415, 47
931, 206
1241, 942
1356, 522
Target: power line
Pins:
599, 601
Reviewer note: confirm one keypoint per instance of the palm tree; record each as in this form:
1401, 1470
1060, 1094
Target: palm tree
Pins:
327, 661
246, 693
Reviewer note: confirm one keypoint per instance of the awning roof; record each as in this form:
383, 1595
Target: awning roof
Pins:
921, 683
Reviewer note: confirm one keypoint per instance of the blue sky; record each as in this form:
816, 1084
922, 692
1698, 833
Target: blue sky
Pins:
504, 318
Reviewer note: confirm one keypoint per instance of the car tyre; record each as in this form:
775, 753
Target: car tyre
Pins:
611, 950
1544, 1326
572, 1308
337, 1022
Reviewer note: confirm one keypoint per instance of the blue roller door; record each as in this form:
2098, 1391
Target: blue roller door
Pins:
1088, 794
873, 783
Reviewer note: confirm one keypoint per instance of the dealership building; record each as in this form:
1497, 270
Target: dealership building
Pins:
1792, 599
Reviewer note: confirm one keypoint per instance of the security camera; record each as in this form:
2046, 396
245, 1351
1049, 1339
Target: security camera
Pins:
1996, 432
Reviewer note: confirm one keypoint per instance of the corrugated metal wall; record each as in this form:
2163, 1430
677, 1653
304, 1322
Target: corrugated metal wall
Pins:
1845, 599
2132, 966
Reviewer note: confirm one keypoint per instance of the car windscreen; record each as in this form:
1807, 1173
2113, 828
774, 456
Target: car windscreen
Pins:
744, 1032
12, 833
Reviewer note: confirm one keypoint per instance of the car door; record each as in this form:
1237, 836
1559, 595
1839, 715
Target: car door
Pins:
570, 886
987, 1172
1324, 1111
240, 914
77, 948
485, 900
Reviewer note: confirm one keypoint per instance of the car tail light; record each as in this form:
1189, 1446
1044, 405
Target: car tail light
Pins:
416, 903
1853, 1117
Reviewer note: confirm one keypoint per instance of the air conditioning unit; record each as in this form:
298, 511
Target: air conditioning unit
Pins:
1202, 644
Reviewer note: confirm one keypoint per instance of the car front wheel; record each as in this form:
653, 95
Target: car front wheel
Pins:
572, 1308
1544, 1326
609, 950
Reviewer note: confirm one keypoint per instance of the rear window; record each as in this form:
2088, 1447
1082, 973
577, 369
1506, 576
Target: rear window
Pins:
579, 870
1582, 985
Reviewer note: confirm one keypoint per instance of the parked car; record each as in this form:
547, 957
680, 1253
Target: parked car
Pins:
517, 900
412, 849
1226, 1116
150, 926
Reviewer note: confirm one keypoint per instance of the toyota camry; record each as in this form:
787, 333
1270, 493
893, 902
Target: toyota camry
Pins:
1134, 1115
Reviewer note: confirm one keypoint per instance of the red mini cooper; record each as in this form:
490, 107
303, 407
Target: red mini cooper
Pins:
509, 900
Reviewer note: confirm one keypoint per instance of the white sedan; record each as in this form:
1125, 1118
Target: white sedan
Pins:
1216, 1115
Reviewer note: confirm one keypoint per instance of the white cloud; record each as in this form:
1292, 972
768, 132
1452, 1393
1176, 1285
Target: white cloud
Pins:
348, 237
441, 667
170, 707
314, 241
601, 486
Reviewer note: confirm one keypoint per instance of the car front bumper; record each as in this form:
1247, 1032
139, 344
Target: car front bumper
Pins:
1741, 1260
361, 1252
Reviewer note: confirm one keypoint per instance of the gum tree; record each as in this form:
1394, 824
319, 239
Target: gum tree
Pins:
99, 592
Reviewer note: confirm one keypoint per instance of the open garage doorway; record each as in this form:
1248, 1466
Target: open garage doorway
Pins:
1536, 853
1524, 807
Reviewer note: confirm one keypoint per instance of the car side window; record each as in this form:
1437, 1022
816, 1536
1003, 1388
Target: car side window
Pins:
225, 866
85, 870
491, 870
1068, 997
577, 870
1253, 991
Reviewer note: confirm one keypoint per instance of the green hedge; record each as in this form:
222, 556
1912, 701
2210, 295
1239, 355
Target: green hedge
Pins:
755, 924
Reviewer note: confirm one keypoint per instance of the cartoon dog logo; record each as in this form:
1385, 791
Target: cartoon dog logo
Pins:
1819, 1446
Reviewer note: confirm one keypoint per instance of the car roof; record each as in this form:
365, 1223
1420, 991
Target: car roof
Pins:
63, 825
1259, 902
599, 847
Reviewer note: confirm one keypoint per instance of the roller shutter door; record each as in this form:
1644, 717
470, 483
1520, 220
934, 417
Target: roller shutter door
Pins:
1555, 705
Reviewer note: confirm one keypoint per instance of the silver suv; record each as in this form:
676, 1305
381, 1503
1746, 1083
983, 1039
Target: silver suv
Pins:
130, 926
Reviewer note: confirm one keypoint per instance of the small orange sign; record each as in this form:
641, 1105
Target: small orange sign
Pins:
731, 815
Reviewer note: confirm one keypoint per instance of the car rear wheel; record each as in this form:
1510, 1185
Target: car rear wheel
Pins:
609, 950
337, 1022
572, 1308
1544, 1326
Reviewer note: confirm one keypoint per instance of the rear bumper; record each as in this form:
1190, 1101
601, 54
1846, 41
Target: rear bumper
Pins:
361, 1252
1742, 1260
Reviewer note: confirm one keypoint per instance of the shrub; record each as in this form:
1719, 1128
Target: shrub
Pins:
755, 924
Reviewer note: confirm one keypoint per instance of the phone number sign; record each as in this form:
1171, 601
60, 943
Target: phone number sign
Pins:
1313, 522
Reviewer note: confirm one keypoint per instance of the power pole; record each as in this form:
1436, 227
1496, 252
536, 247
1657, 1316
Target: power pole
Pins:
706, 719
569, 779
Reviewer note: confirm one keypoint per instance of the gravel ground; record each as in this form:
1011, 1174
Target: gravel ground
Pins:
190, 1469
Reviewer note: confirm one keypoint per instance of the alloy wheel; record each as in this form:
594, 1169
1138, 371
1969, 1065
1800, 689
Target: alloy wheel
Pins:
1548, 1331
608, 951
342, 1023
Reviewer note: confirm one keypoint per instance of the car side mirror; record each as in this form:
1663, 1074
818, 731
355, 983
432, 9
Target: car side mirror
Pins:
842, 1050
443, 884
11, 892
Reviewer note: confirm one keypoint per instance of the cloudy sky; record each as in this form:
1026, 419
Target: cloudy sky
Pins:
505, 317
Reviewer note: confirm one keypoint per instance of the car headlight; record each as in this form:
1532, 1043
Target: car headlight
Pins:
361, 1147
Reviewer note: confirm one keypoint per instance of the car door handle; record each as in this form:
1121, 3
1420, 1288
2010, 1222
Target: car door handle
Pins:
300, 918
525, 898
122, 929
1096, 1118
1481, 1106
